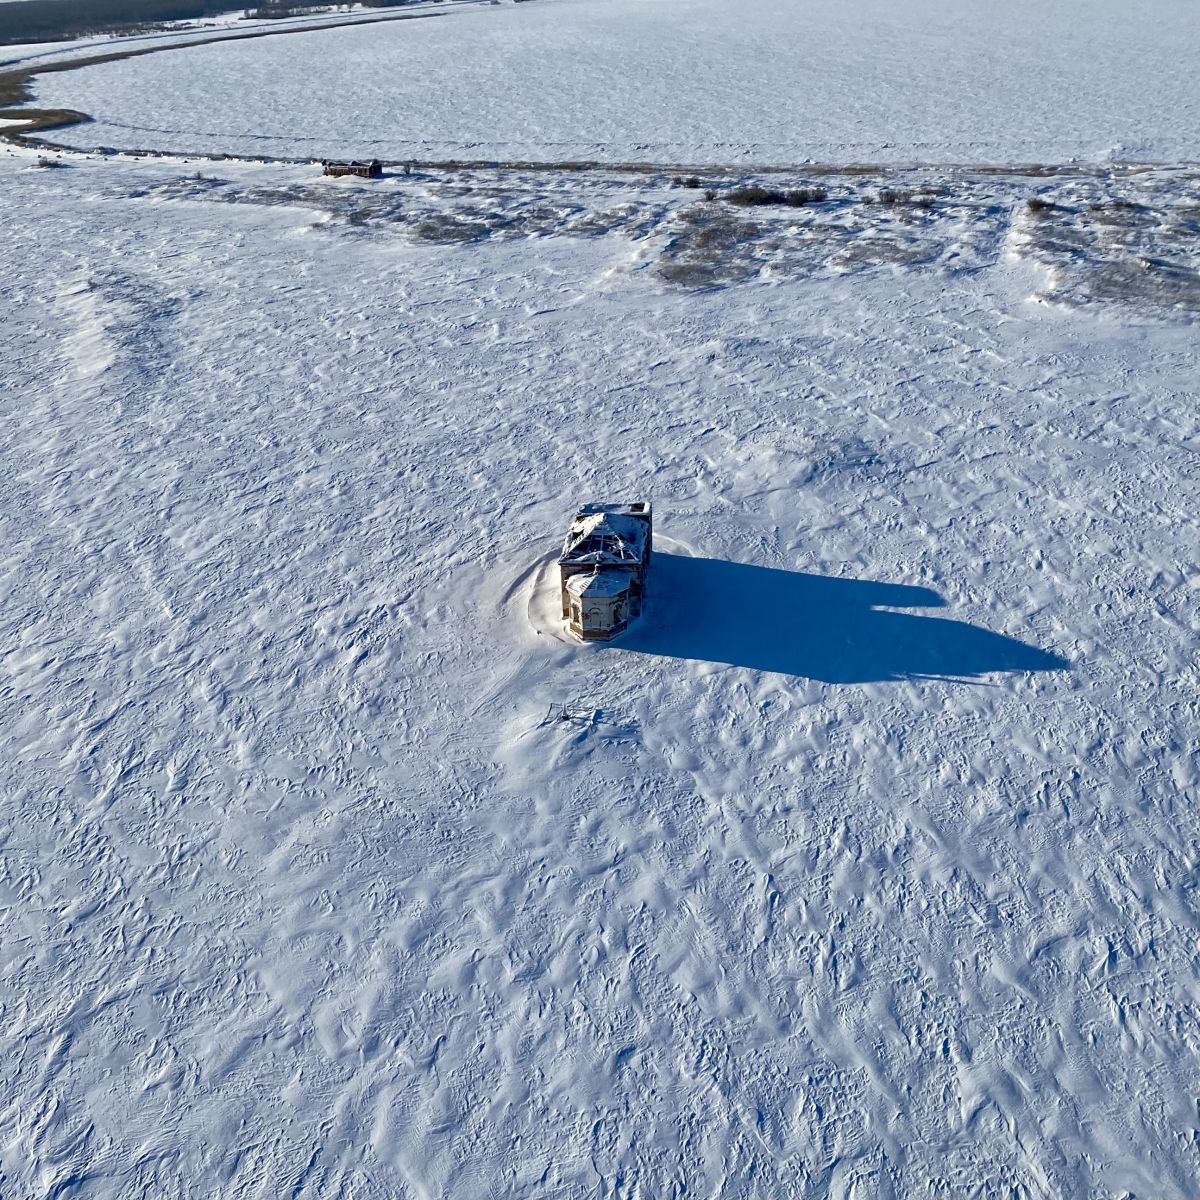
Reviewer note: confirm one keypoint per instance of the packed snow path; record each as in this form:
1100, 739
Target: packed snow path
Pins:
866, 867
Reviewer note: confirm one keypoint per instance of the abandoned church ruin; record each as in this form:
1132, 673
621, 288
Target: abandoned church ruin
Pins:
602, 568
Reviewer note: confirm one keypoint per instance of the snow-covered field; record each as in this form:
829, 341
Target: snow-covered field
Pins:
865, 867
761, 81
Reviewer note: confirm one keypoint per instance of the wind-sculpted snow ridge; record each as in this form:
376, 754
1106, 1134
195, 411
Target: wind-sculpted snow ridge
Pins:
864, 866
679, 81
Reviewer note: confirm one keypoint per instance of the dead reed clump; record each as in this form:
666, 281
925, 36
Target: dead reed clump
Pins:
751, 195
798, 197
755, 194
896, 198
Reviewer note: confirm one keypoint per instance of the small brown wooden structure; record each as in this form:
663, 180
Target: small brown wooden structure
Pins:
364, 170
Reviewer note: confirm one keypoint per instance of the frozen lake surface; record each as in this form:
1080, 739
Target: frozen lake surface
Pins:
865, 866
691, 81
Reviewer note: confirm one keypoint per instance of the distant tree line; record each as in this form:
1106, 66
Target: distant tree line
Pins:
268, 10
56, 20
52, 20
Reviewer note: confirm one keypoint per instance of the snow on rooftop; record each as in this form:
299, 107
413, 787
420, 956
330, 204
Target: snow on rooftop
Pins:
608, 582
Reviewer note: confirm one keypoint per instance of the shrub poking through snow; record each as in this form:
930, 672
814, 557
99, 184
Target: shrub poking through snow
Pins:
1037, 207
806, 195
754, 194
894, 196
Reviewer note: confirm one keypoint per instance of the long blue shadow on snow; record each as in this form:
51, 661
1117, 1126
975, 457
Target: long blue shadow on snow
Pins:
832, 630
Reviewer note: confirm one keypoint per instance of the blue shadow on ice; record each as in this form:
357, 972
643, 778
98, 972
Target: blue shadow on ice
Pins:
819, 627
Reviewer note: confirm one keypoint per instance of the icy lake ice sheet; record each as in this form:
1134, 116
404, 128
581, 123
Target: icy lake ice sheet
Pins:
680, 81
304, 894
